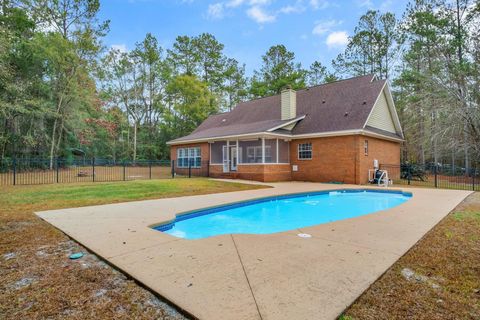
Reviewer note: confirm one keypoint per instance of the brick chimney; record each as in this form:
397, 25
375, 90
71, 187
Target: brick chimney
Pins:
289, 103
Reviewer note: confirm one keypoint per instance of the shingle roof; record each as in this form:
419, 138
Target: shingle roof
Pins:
336, 106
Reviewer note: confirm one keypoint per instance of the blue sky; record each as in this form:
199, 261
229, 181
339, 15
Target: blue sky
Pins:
312, 29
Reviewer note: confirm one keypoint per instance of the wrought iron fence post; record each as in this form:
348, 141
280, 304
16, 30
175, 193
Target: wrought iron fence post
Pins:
173, 169
93, 169
190, 168
57, 169
150, 169
14, 171
208, 168
473, 179
409, 173
436, 178
124, 169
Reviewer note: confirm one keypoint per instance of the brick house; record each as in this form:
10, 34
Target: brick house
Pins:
327, 133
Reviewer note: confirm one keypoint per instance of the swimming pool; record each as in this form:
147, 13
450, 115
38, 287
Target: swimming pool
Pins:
282, 213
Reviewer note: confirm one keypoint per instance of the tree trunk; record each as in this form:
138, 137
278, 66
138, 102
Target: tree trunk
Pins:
461, 85
54, 130
59, 136
134, 140
52, 147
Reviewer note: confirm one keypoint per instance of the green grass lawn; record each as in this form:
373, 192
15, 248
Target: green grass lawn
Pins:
38, 281
55, 196
446, 262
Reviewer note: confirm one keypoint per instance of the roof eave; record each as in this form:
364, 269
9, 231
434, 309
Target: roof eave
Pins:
293, 137
346, 133
235, 136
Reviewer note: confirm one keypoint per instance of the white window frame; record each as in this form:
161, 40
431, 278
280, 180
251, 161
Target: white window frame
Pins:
189, 154
256, 154
300, 149
365, 147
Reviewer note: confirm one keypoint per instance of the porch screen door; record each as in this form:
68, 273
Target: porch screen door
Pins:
225, 160
234, 158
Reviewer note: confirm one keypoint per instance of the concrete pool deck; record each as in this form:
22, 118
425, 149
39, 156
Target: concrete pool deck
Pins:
246, 276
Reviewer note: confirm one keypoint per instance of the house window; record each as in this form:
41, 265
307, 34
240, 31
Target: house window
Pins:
305, 151
254, 154
365, 147
189, 156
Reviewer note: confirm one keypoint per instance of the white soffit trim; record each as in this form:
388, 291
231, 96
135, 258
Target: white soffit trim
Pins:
293, 137
286, 123
232, 137
393, 110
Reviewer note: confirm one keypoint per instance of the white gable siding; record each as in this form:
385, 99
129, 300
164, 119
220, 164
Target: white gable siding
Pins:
381, 117
290, 126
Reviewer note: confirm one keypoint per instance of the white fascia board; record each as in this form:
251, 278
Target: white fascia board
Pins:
232, 137
293, 137
286, 123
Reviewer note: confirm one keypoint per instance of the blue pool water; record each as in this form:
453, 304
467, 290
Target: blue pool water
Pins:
282, 213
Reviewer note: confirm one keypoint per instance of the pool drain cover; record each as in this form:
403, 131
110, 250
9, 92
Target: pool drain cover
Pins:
304, 235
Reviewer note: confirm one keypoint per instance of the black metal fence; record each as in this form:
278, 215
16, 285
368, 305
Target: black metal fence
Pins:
443, 176
192, 169
44, 171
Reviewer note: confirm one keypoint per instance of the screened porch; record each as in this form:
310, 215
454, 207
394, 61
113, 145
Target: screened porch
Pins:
232, 153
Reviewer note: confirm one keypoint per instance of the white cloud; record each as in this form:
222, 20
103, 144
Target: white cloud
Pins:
319, 4
259, 2
298, 7
337, 39
120, 47
259, 15
234, 3
322, 27
365, 3
215, 11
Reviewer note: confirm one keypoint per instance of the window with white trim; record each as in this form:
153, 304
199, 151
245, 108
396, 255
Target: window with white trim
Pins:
365, 147
186, 156
305, 151
254, 154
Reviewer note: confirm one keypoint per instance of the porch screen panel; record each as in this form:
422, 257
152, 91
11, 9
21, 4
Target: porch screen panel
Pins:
283, 151
217, 152
250, 151
270, 150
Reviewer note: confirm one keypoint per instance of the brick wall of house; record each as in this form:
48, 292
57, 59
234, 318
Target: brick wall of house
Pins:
265, 173
342, 159
216, 171
205, 152
333, 160
277, 172
386, 152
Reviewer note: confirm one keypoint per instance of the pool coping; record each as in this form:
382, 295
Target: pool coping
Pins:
241, 276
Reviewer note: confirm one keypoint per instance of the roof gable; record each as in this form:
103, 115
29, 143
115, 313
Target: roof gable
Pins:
383, 115
380, 116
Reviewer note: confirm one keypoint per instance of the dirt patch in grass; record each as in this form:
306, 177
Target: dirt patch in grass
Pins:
38, 280
439, 278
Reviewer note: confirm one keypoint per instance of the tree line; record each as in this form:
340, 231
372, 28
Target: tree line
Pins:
63, 92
